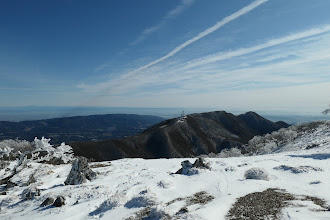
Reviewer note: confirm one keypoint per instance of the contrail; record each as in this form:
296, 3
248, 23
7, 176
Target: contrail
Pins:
274, 42
218, 25
208, 31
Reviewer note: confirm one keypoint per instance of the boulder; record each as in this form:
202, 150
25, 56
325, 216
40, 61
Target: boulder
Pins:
80, 171
47, 202
191, 169
201, 164
60, 201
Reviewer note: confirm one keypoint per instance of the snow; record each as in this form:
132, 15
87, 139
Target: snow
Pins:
127, 187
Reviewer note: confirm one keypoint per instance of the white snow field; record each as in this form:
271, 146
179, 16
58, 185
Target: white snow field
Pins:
149, 189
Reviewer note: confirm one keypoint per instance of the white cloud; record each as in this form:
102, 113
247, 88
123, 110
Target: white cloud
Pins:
100, 68
170, 15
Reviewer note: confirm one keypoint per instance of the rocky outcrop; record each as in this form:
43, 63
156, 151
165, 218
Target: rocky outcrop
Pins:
80, 172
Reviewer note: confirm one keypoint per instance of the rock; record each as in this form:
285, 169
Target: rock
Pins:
60, 201
191, 169
3, 193
182, 211
230, 169
30, 193
79, 172
55, 161
201, 164
47, 202
186, 165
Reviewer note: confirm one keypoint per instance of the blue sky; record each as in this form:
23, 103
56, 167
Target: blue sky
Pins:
233, 55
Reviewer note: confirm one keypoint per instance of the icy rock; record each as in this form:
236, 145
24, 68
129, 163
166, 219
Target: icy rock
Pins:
191, 169
60, 201
201, 164
182, 211
47, 202
256, 173
186, 166
55, 161
30, 193
79, 172
164, 184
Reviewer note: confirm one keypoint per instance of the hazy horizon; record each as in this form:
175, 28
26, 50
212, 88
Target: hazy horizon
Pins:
24, 113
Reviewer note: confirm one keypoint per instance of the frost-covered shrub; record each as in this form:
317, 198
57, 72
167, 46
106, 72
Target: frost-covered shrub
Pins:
256, 173
38, 150
277, 140
144, 199
62, 153
270, 142
12, 148
300, 169
232, 152
164, 184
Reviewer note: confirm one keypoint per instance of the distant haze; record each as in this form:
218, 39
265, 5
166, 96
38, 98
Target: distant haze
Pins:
47, 112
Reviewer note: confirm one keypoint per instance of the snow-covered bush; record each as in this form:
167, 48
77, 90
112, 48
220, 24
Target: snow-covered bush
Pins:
232, 152
38, 150
60, 154
268, 143
277, 140
12, 148
256, 173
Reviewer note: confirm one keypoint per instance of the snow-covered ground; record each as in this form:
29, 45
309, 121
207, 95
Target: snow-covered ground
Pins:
135, 188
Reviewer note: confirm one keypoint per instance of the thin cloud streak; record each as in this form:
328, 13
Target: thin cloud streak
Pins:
223, 56
208, 31
309, 52
170, 15
110, 86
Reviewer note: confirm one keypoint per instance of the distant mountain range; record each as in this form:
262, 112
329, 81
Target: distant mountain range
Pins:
79, 128
187, 136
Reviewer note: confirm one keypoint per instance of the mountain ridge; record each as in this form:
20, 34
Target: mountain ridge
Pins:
188, 136
78, 128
